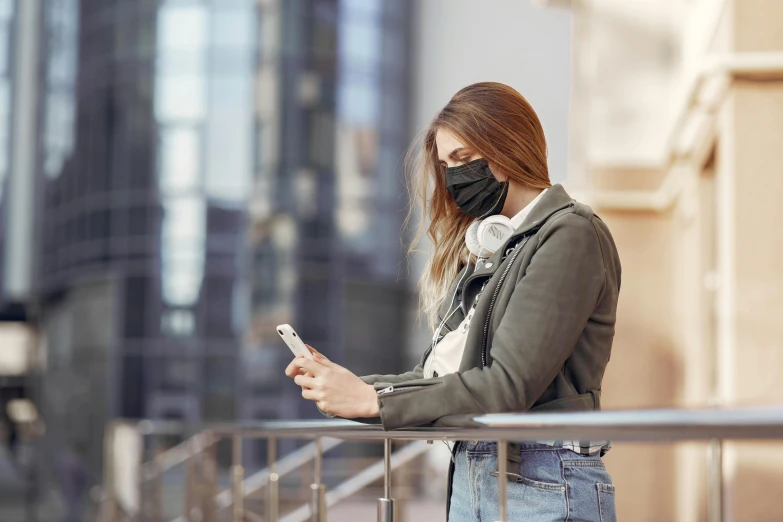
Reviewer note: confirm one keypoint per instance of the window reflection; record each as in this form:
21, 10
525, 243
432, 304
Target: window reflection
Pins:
229, 129
359, 54
180, 84
179, 152
178, 323
180, 108
6, 9
203, 106
6, 12
182, 249
62, 25
229, 126
359, 111
233, 27
179, 98
5, 122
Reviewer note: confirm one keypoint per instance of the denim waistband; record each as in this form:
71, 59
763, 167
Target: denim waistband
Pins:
492, 447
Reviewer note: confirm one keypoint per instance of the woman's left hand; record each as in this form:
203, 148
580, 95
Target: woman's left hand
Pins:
336, 390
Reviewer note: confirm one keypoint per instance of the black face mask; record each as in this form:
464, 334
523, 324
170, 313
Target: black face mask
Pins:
475, 189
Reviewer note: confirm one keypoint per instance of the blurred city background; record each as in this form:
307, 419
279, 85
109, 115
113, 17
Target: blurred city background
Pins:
177, 177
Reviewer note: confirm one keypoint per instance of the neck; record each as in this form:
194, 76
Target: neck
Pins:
518, 198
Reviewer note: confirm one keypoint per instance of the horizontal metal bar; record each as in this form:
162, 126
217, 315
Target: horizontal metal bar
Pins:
633, 425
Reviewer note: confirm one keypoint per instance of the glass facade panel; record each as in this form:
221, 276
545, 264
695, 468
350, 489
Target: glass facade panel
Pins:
61, 33
6, 19
180, 153
5, 120
223, 164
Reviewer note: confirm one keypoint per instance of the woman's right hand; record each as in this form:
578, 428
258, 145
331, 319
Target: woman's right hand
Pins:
292, 370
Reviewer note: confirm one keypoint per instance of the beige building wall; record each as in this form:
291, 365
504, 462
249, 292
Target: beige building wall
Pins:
646, 368
753, 138
662, 351
701, 307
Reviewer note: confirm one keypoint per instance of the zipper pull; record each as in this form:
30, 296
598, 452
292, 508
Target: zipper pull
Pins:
386, 390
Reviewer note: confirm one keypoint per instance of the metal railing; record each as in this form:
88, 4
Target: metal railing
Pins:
714, 425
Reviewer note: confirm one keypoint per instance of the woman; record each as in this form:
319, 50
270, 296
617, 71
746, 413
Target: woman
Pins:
521, 292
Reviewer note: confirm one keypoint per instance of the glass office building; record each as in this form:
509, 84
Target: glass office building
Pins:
207, 170
6, 84
331, 129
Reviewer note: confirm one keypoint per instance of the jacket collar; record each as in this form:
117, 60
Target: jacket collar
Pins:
554, 200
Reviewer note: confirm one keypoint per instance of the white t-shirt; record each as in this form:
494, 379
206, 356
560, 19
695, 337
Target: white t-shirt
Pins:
446, 356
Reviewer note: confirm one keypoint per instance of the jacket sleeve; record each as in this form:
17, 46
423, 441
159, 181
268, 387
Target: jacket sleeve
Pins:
547, 312
380, 380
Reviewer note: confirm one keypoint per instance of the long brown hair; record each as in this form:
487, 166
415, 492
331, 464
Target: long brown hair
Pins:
496, 123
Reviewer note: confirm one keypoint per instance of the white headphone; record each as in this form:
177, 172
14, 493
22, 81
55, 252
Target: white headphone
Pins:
484, 237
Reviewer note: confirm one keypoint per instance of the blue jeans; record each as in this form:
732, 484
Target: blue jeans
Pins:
549, 484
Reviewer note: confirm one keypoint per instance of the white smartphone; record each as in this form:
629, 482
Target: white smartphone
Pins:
293, 341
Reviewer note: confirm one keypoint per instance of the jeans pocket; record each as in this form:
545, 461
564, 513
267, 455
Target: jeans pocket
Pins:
606, 502
527, 499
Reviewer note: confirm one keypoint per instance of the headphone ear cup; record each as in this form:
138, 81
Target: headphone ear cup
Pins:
501, 221
493, 232
471, 239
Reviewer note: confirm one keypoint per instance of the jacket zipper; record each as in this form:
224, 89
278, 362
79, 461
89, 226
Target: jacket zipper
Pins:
503, 276
494, 297
390, 389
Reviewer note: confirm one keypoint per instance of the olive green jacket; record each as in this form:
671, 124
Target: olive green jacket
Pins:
542, 331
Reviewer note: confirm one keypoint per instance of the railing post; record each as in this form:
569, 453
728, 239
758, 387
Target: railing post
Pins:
715, 486
108, 508
141, 487
153, 504
502, 479
386, 507
209, 478
272, 494
237, 478
192, 471
318, 489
